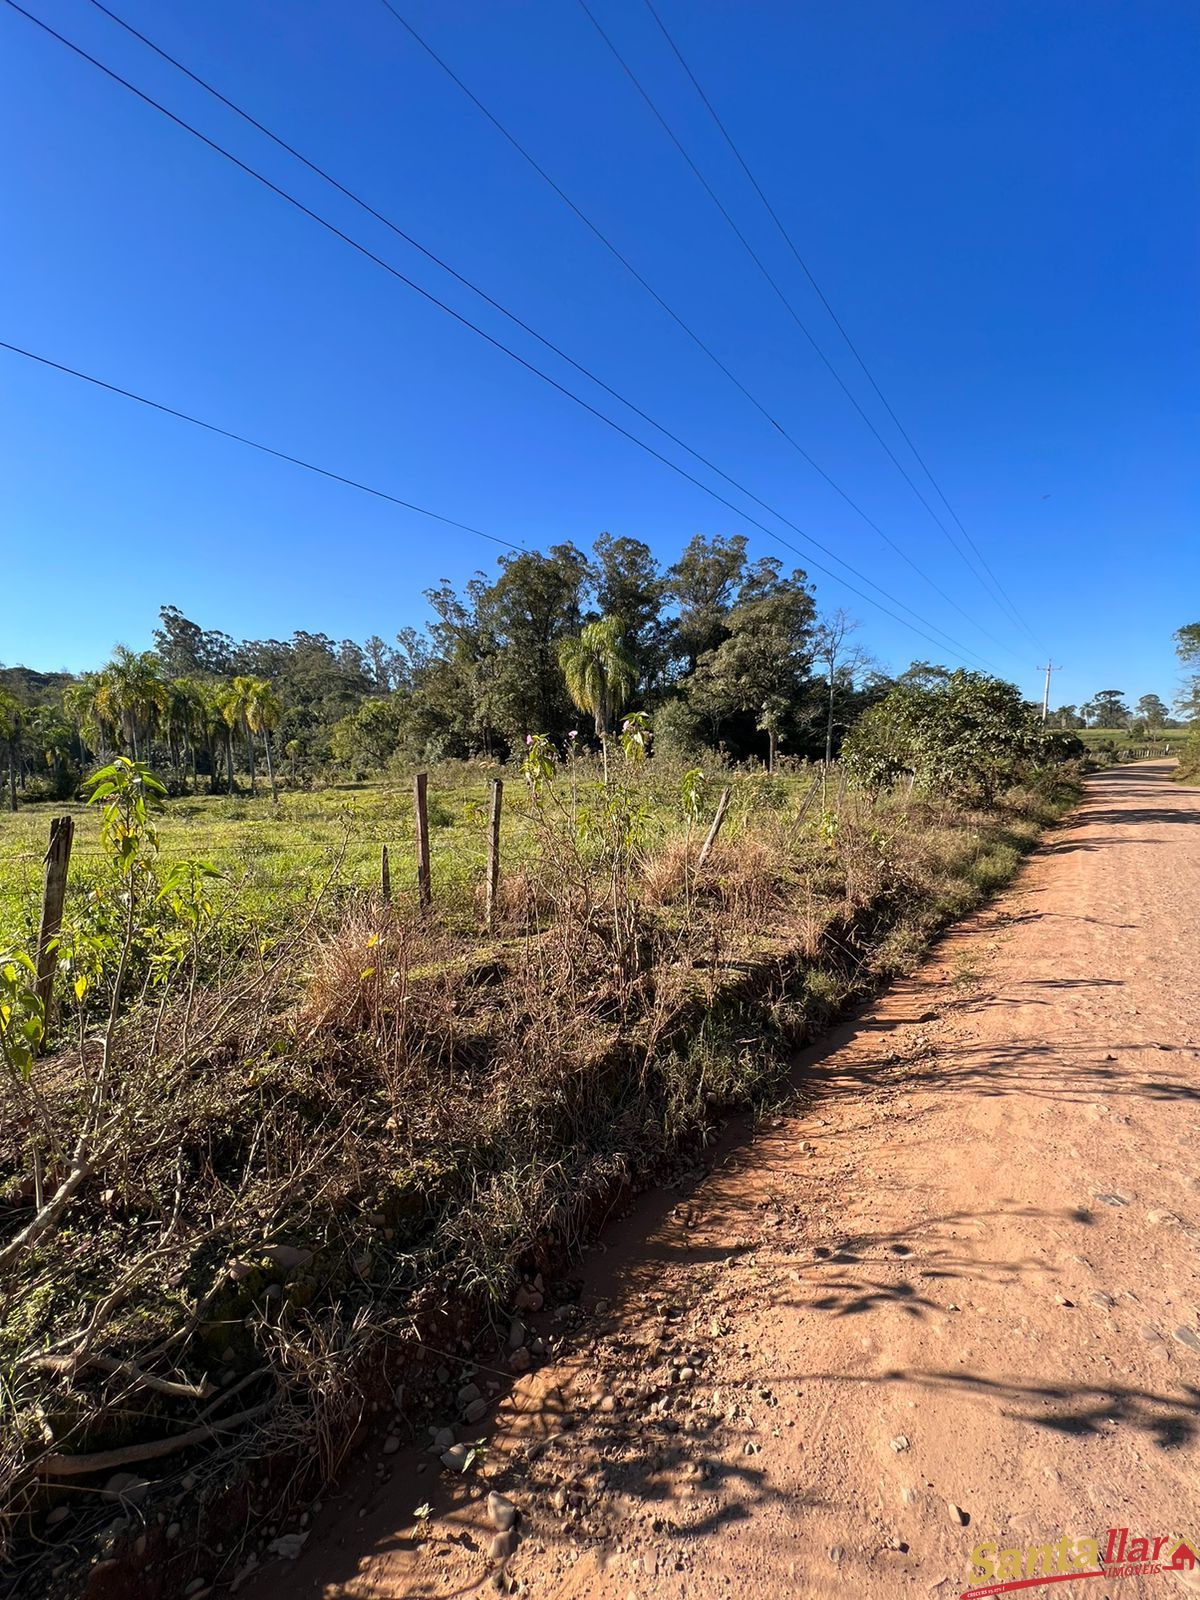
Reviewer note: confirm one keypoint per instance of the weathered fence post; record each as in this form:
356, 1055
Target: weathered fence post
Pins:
722, 805
58, 857
493, 860
809, 798
424, 890
385, 875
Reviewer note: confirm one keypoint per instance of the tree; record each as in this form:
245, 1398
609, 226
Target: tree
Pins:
382, 662
627, 583
1107, 709
762, 666
1152, 711
841, 663
130, 698
1187, 648
1066, 717
262, 711
185, 649
10, 731
971, 736
228, 703
238, 710
517, 623
370, 736
600, 674
925, 675
84, 702
704, 582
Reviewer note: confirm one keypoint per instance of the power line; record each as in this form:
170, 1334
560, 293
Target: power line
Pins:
254, 444
774, 285
514, 355
691, 333
533, 332
837, 322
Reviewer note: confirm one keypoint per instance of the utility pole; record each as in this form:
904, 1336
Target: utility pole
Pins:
1047, 669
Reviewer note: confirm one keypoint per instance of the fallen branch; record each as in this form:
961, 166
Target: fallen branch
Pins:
60, 1466
81, 1167
73, 1365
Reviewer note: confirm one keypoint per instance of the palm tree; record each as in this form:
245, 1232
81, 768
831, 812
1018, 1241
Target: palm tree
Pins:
262, 711
243, 694
51, 734
186, 721
600, 674
131, 696
229, 704
211, 725
84, 703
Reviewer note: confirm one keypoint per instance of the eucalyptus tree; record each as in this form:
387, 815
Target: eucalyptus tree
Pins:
1187, 648
762, 666
1152, 710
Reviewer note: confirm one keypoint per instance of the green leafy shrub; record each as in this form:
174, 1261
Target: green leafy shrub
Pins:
969, 737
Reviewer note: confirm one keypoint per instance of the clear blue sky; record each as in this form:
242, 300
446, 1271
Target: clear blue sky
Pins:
999, 200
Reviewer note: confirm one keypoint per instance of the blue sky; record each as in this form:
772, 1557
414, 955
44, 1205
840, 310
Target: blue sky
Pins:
998, 200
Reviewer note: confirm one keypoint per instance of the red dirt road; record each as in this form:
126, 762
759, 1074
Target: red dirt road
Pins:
953, 1297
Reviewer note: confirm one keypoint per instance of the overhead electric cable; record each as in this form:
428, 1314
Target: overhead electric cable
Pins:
254, 444
521, 360
837, 322
691, 333
778, 291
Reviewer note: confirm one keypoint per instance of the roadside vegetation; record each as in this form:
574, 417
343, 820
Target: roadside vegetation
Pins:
282, 1125
245, 1174
1187, 648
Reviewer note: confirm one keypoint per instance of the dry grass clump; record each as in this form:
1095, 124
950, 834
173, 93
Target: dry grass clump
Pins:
748, 876
523, 902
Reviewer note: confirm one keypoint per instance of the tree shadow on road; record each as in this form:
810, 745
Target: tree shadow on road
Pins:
1080, 1410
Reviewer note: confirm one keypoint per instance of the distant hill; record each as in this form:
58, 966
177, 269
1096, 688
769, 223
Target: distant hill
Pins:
26, 684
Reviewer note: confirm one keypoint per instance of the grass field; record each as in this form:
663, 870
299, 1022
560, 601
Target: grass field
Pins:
274, 858
1166, 741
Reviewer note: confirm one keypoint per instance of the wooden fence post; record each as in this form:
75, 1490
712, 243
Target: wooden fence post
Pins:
385, 875
424, 890
722, 805
54, 892
809, 798
493, 860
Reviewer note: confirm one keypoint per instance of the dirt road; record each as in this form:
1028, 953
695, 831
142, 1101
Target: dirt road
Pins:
954, 1298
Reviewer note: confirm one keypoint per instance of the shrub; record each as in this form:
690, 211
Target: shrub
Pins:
969, 737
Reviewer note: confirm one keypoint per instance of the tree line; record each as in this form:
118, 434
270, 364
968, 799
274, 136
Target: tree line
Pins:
728, 654
1108, 708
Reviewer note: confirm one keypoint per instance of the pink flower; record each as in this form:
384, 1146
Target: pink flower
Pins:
574, 734
528, 738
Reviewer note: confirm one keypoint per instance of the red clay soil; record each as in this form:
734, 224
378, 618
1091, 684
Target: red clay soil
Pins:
953, 1297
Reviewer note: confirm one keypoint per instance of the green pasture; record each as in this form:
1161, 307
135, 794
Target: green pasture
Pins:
274, 858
